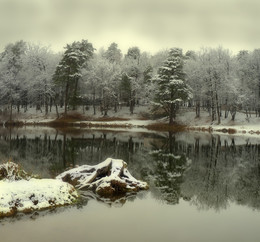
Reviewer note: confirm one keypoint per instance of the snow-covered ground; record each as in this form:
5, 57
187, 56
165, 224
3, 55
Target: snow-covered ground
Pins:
19, 192
242, 124
126, 123
34, 194
33, 115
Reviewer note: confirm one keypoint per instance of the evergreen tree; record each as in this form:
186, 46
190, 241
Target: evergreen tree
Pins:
68, 71
172, 90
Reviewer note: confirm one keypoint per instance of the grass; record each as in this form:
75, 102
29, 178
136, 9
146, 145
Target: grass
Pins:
110, 119
70, 119
67, 120
166, 127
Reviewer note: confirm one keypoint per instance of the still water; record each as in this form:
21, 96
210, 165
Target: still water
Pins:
202, 187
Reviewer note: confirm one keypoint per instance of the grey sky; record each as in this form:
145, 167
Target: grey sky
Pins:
150, 24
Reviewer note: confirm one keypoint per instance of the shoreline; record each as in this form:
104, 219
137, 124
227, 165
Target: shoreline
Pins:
155, 125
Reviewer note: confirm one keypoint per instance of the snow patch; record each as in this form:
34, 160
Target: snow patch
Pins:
34, 194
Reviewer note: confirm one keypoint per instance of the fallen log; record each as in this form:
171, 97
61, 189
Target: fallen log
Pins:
109, 178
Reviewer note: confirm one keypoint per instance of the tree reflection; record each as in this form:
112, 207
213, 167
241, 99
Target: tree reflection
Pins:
206, 183
170, 163
224, 169
221, 174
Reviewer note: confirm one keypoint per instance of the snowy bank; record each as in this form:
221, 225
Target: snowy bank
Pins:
242, 125
34, 194
108, 178
19, 192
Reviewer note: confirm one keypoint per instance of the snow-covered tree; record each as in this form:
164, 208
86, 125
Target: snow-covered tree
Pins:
39, 66
219, 81
136, 78
10, 74
130, 83
172, 89
134, 53
211, 74
113, 53
254, 67
194, 75
102, 80
68, 71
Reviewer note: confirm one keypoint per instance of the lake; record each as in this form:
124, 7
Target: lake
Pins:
203, 187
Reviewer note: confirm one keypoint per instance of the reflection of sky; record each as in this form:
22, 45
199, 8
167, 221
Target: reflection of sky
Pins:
142, 220
151, 24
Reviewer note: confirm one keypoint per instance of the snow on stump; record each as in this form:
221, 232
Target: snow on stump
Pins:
108, 178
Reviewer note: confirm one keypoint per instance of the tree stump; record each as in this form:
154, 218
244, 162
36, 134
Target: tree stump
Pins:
109, 178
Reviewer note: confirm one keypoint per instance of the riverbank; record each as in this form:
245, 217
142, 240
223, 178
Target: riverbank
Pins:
139, 120
242, 124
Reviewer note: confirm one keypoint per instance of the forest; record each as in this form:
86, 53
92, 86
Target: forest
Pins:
212, 79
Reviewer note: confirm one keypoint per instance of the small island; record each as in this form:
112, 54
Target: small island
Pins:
21, 192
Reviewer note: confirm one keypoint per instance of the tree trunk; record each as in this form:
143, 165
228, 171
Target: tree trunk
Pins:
51, 100
94, 102
57, 112
18, 107
113, 174
75, 95
11, 112
105, 110
233, 116
46, 106
233, 113
213, 110
131, 107
115, 106
197, 109
171, 114
83, 109
66, 98
218, 108
132, 102
45, 99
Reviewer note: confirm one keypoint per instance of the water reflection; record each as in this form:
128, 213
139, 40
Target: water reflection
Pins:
223, 172
170, 163
209, 171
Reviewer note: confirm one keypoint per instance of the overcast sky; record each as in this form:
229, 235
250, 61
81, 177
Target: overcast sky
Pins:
152, 25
